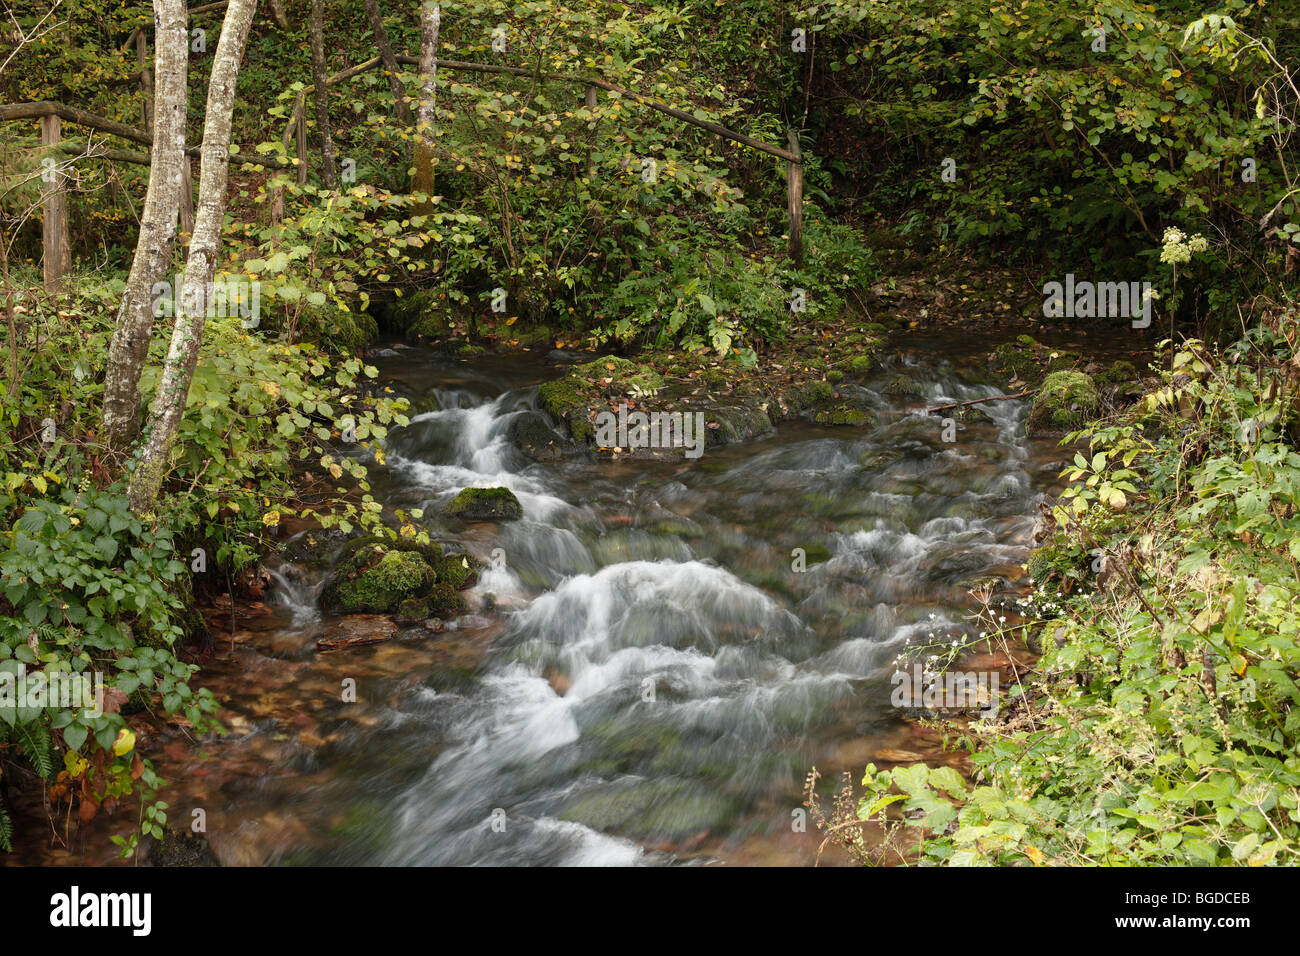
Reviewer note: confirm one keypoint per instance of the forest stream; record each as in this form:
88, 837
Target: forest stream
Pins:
641, 677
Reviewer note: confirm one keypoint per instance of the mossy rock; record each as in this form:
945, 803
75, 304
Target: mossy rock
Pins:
568, 399
845, 416
561, 396
805, 396
737, 423
903, 386
1020, 358
1065, 401
407, 578
1119, 373
861, 364
485, 504
380, 587
834, 375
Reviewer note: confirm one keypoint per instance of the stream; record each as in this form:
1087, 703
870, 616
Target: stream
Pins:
643, 677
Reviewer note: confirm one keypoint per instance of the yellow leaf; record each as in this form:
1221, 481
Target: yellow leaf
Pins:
271, 519
124, 743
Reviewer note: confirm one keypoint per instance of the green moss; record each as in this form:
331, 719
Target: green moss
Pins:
398, 575
568, 398
1119, 373
844, 416
903, 386
413, 609
1020, 358
485, 504
456, 570
860, 363
834, 375
560, 396
335, 330
1065, 401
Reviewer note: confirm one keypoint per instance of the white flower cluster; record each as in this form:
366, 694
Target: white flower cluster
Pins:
1178, 248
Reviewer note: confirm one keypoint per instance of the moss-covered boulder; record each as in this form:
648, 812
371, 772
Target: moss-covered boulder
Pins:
379, 587
570, 398
1065, 401
402, 577
485, 504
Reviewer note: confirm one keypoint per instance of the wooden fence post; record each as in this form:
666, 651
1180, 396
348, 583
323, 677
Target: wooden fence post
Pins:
54, 218
146, 81
794, 199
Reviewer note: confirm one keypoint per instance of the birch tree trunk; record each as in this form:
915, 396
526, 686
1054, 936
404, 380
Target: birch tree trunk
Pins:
320, 80
422, 180
200, 266
390, 61
153, 249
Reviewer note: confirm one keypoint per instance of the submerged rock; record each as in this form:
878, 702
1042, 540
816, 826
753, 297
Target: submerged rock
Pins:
357, 630
485, 504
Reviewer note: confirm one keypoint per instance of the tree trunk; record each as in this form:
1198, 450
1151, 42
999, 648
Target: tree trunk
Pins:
320, 79
153, 250
390, 61
205, 245
422, 180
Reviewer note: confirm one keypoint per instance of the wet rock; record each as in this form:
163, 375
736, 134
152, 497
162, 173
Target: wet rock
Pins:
357, 630
854, 417
485, 504
180, 847
533, 435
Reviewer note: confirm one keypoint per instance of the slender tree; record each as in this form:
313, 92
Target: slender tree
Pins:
200, 266
153, 250
422, 179
389, 59
320, 80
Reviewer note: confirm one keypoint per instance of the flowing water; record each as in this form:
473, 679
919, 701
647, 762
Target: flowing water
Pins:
644, 676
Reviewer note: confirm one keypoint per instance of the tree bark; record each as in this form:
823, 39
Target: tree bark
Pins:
153, 250
389, 61
422, 180
200, 266
319, 78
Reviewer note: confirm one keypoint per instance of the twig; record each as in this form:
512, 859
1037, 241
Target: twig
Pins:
976, 401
